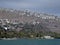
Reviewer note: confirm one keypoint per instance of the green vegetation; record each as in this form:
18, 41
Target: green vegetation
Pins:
21, 34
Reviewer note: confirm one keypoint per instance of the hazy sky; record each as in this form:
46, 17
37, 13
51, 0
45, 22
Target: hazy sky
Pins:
47, 6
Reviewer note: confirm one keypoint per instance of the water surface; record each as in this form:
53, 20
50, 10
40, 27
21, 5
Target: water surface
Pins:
30, 42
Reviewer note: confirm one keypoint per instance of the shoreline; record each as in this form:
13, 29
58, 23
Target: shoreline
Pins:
18, 38
8, 38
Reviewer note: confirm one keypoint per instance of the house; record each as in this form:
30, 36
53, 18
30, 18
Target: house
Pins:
5, 28
48, 37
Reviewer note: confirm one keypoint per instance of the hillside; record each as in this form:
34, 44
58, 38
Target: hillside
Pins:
48, 22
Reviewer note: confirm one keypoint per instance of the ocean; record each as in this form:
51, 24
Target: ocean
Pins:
30, 42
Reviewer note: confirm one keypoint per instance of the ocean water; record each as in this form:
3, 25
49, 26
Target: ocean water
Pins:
30, 42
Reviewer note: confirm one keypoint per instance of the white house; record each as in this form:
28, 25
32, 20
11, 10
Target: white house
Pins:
5, 28
48, 37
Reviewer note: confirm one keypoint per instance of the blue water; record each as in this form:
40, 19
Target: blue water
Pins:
30, 42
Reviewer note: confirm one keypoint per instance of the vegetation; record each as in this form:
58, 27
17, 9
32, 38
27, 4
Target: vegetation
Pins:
28, 31
21, 34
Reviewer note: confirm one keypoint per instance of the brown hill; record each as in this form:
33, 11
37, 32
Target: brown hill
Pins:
49, 22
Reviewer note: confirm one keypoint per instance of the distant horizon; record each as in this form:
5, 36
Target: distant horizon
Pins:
43, 6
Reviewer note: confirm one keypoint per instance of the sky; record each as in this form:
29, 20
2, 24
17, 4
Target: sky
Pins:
43, 6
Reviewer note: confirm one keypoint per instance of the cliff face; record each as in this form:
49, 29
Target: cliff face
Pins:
52, 23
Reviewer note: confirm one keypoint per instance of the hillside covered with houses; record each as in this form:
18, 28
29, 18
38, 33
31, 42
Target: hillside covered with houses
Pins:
28, 22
